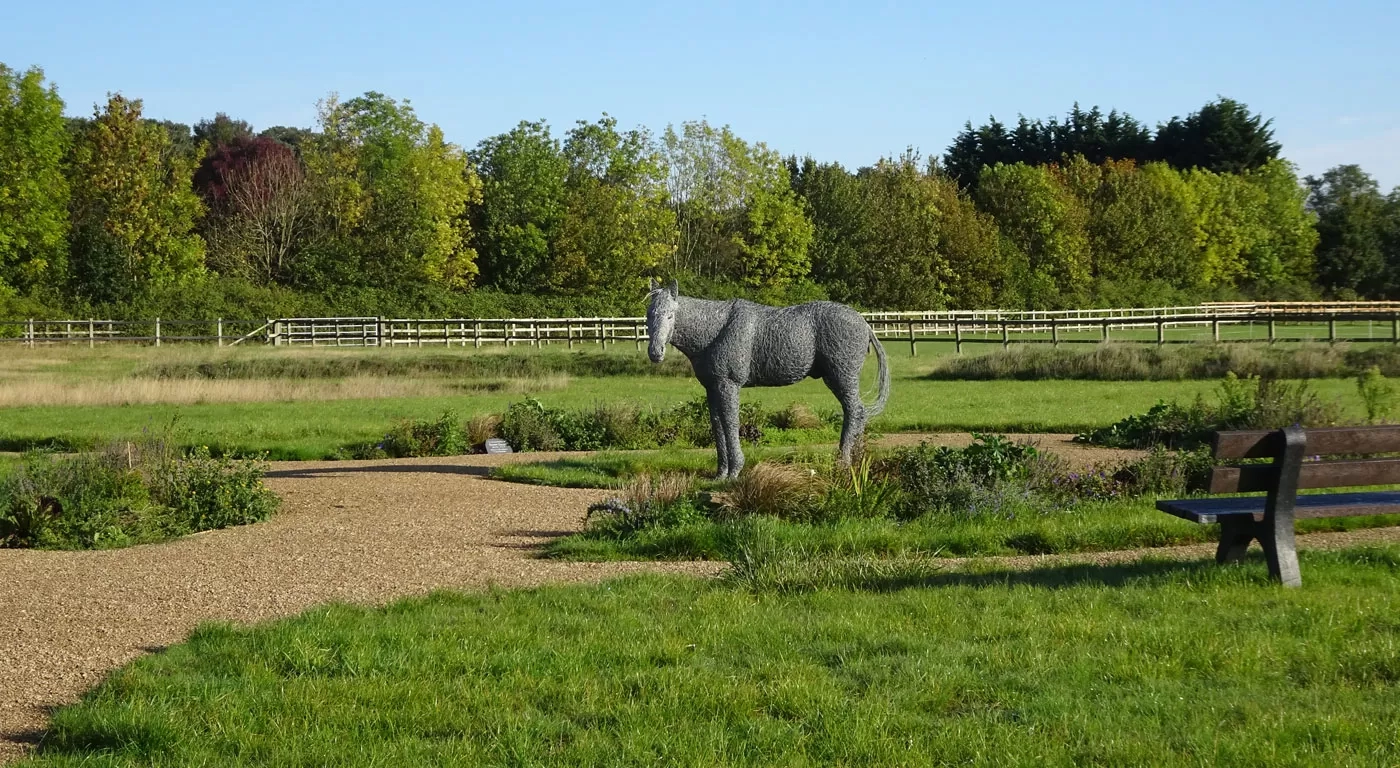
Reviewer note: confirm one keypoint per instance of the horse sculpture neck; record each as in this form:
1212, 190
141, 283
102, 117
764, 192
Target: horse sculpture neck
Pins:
698, 322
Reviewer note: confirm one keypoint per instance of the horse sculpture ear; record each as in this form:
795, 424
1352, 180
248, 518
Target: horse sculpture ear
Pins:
675, 288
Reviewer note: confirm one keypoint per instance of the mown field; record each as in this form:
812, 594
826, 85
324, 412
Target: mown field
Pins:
310, 404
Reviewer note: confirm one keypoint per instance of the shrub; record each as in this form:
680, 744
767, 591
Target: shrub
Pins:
1377, 394
619, 426
1162, 472
210, 492
752, 420
529, 426
1253, 403
441, 437
990, 476
1166, 424
127, 493
685, 423
471, 366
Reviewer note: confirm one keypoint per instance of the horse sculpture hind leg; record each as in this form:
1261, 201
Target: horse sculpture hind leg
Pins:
846, 387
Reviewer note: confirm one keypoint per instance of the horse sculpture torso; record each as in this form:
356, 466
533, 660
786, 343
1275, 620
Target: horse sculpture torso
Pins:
738, 343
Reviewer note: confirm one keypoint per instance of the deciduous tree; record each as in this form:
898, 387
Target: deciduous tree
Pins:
616, 226
736, 214
1351, 252
1044, 220
523, 175
33, 190
133, 209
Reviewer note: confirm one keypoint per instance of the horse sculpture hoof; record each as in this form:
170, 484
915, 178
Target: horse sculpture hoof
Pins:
738, 343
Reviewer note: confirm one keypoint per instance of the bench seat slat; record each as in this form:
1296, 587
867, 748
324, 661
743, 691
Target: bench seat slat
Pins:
1308, 505
1322, 441
1313, 474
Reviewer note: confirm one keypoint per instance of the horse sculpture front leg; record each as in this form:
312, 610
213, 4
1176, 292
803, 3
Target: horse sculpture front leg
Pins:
716, 407
728, 396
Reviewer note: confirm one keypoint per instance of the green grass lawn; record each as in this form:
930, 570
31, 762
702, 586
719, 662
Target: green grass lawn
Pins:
1158, 663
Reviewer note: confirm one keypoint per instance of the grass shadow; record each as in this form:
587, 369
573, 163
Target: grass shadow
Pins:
440, 469
877, 577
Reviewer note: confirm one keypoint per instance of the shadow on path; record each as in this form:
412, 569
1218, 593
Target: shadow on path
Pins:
439, 469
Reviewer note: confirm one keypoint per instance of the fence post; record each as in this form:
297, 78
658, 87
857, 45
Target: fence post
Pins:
1215, 328
1331, 330
29, 334
1105, 329
91, 334
1272, 334
157, 331
1161, 332
957, 336
1055, 331
913, 350
1005, 335
1395, 329
602, 339
536, 327
637, 334
221, 331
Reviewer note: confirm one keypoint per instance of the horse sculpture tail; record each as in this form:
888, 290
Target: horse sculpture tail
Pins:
884, 392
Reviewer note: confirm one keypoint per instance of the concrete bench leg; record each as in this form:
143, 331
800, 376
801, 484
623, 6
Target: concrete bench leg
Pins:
1276, 538
1236, 532
1275, 531
1276, 535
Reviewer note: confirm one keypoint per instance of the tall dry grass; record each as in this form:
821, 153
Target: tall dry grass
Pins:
47, 390
786, 491
1128, 361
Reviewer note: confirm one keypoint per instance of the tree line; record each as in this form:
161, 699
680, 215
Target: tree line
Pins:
374, 211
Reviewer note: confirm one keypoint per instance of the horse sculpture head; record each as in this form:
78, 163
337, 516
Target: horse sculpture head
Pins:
661, 317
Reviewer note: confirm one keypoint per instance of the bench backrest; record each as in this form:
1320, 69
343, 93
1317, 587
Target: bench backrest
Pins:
1321, 441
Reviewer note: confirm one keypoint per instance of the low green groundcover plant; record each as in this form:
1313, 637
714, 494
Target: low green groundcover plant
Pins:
530, 425
131, 492
1162, 663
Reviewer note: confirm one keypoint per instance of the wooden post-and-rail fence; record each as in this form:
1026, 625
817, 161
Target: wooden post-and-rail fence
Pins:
1261, 322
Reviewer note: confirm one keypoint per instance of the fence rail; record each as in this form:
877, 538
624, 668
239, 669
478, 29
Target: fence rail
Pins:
1242, 321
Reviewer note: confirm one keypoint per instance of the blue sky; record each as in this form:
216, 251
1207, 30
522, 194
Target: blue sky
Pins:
844, 81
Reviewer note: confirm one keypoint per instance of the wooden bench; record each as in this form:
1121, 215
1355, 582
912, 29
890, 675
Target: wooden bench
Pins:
1269, 518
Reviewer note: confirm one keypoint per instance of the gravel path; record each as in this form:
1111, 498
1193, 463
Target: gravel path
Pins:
365, 532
